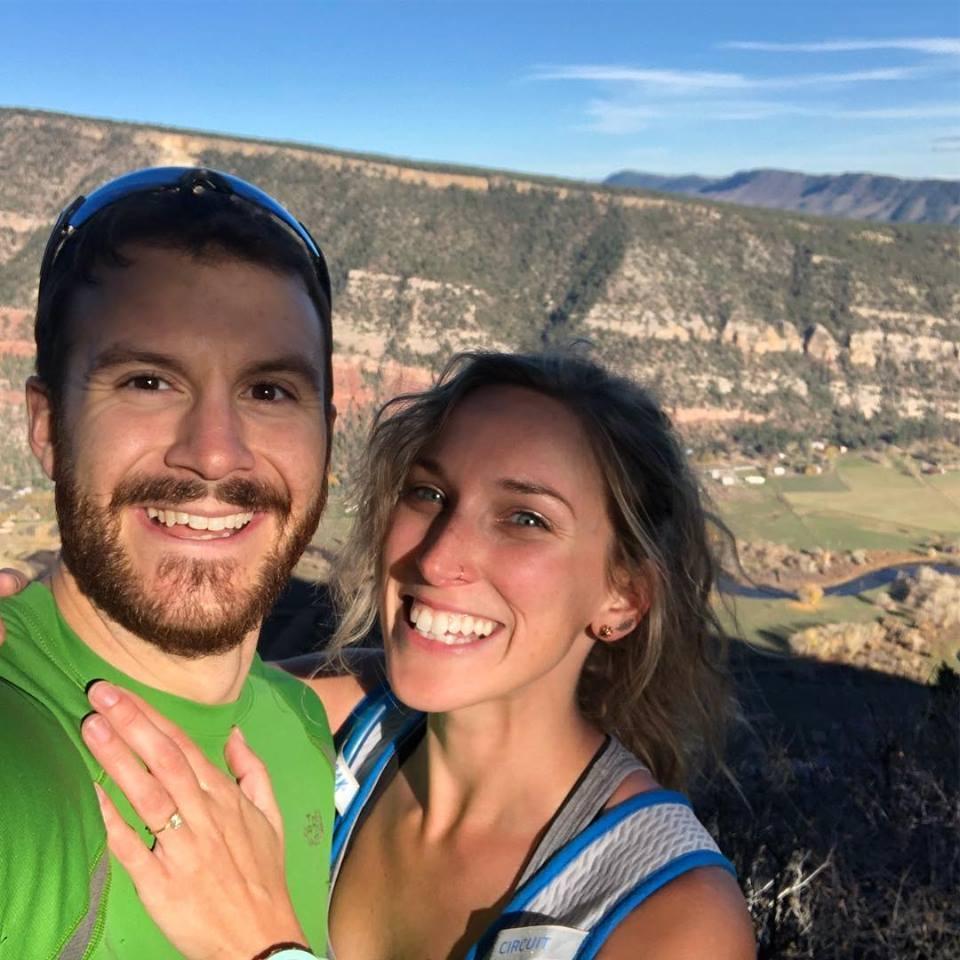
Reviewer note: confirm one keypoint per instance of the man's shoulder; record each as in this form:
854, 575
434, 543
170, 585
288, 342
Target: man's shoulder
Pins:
45, 783
36, 749
282, 695
32, 656
52, 840
30, 610
31, 623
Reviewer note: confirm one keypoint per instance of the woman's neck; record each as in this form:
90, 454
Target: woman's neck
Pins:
504, 764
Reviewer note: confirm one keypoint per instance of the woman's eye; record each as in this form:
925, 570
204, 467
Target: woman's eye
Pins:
269, 392
146, 381
527, 518
425, 494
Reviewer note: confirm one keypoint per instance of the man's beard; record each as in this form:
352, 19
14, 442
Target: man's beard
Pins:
169, 615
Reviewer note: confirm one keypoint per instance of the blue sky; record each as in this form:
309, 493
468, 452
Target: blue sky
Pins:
577, 88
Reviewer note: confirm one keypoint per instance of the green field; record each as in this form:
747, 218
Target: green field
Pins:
768, 623
857, 505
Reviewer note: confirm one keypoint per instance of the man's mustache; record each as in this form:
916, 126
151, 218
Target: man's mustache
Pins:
248, 495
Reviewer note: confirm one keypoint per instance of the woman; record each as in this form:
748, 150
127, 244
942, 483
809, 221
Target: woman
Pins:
534, 546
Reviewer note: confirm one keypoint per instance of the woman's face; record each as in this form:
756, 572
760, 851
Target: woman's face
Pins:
495, 563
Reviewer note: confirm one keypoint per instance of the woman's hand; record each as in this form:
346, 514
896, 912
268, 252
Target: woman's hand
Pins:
214, 881
11, 582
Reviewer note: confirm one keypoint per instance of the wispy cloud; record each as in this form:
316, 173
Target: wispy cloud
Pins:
937, 45
923, 111
689, 81
948, 144
612, 117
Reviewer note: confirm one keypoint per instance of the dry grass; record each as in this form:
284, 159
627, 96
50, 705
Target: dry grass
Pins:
847, 844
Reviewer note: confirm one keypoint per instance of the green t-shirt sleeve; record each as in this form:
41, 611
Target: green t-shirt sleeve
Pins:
53, 864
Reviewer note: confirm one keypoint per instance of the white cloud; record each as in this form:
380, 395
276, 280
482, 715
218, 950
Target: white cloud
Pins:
948, 144
612, 117
921, 111
938, 45
673, 79
690, 81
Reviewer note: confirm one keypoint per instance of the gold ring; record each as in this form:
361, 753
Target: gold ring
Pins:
174, 822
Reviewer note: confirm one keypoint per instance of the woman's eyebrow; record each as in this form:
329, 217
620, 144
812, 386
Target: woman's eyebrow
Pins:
513, 484
431, 466
536, 489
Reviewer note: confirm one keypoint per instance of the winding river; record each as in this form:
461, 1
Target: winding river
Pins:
849, 588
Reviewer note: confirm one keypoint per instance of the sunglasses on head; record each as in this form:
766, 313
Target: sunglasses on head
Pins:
195, 180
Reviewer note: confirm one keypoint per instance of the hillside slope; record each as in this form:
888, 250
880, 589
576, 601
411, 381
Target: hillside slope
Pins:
731, 313
860, 196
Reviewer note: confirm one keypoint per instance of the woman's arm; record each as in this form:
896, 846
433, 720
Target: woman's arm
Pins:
214, 880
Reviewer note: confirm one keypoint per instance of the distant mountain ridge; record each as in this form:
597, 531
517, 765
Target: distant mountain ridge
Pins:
854, 196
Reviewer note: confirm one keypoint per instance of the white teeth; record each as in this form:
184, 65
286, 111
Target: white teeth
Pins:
424, 620
449, 628
170, 518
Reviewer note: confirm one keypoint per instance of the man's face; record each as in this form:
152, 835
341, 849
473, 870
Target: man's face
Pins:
189, 455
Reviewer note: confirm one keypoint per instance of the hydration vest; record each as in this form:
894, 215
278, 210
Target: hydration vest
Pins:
590, 870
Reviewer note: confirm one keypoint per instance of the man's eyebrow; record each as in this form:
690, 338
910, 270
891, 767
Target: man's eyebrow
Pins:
119, 355
290, 364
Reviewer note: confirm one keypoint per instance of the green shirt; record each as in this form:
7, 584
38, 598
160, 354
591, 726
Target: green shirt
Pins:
61, 894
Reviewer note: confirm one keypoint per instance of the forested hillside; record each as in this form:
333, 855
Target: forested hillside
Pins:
736, 315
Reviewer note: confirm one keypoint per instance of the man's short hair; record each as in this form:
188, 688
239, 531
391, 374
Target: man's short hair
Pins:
209, 225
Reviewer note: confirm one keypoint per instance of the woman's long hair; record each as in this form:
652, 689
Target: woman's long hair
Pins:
662, 688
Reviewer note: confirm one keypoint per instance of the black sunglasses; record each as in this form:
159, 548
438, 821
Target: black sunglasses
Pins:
175, 179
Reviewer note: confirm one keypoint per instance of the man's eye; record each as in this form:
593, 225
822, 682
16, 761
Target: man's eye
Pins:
269, 392
146, 381
527, 518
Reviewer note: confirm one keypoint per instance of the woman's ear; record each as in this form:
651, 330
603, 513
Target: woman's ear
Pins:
627, 604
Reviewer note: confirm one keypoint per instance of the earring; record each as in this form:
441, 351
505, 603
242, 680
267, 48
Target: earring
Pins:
605, 632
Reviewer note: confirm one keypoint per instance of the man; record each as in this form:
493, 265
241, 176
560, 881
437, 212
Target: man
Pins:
182, 408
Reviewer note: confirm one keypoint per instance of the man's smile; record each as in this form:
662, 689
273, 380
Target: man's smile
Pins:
183, 525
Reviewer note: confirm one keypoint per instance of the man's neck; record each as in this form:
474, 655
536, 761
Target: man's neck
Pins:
211, 680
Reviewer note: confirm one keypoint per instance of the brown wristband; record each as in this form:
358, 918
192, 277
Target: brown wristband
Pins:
277, 947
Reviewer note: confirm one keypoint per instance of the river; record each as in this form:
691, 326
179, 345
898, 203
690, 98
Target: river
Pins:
849, 588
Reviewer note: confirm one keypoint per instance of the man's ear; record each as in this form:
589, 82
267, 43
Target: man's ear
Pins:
40, 424
627, 604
